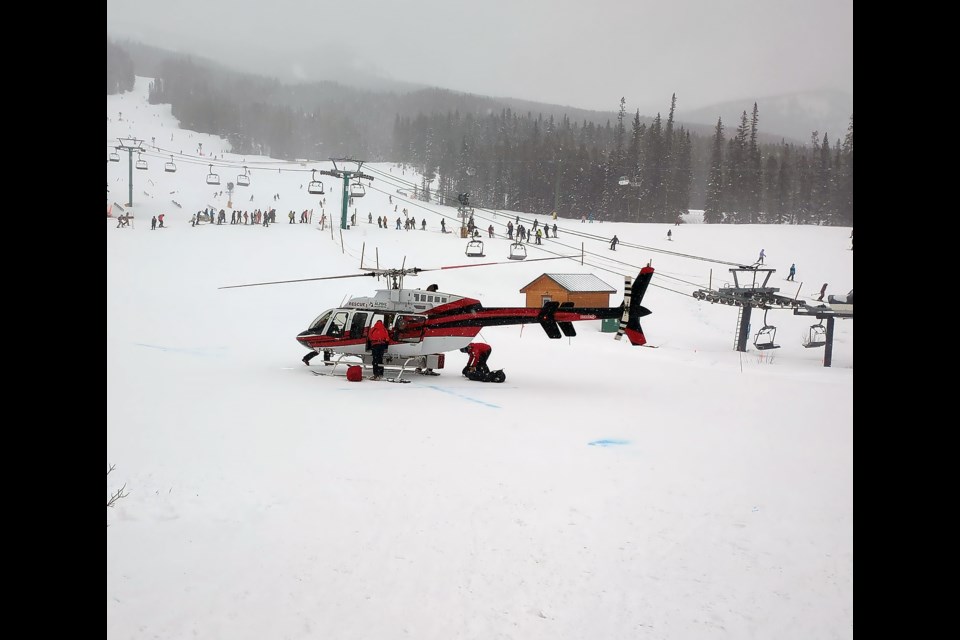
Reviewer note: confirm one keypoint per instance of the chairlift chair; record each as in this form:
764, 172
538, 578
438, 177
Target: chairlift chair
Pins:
212, 178
764, 338
517, 251
243, 180
817, 337
170, 167
141, 163
357, 190
475, 249
315, 186
114, 156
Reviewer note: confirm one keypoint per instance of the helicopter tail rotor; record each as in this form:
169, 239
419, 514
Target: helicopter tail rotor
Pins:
633, 310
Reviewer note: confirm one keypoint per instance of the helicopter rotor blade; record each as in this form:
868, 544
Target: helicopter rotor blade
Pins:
260, 284
377, 272
487, 264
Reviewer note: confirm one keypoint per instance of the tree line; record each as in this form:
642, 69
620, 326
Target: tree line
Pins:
631, 169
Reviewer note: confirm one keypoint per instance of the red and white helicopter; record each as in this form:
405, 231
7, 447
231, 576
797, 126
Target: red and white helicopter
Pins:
424, 324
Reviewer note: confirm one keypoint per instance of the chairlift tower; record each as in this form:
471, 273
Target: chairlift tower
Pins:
822, 313
346, 176
750, 290
464, 211
130, 145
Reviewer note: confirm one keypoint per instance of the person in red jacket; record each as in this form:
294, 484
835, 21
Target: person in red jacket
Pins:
479, 354
379, 340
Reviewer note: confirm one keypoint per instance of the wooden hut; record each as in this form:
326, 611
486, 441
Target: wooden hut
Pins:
582, 289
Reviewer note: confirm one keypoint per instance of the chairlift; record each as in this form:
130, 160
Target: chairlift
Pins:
315, 186
817, 337
243, 180
764, 338
170, 167
357, 190
141, 163
212, 178
517, 251
475, 249
114, 156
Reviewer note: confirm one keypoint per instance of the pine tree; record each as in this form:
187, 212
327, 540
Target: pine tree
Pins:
683, 174
821, 191
713, 205
752, 173
845, 179
669, 163
785, 188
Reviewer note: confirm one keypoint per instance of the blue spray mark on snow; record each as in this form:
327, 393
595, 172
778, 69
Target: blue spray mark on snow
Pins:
607, 442
463, 397
204, 352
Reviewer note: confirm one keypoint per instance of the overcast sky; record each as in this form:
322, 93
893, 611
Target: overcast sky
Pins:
579, 54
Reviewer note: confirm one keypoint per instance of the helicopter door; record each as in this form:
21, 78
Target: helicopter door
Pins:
409, 328
357, 324
337, 325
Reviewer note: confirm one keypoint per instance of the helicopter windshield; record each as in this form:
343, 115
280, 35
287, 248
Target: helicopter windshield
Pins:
338, 324
320, 321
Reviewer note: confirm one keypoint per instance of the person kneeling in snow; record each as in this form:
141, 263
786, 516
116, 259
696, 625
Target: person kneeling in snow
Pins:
479, 354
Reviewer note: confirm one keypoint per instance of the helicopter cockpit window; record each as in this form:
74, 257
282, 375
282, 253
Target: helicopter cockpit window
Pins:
357, 324
321, 321
338, 324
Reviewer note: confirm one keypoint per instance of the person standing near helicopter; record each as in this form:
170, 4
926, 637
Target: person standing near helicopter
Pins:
379, 340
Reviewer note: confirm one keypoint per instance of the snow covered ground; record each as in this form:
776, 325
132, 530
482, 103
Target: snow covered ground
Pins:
602, 491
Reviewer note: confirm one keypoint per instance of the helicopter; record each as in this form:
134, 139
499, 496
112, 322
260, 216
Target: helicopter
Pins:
424, 324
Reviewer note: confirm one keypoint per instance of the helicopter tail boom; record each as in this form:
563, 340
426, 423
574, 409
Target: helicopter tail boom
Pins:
632, 309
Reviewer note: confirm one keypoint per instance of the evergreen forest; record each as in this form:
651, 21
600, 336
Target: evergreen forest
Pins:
617, 167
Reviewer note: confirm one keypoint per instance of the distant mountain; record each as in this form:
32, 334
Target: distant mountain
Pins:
794, 116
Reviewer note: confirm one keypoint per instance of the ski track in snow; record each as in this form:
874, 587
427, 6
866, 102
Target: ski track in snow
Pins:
463, 397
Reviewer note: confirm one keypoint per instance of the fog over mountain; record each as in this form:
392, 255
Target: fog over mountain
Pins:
557, 52
794, 115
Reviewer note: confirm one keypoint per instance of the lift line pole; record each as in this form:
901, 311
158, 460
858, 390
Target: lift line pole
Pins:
130, 145
346, 176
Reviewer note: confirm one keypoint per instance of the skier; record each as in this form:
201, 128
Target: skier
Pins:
153, 223
823, 290
763, 254
160, 220
793, 271
613, 243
